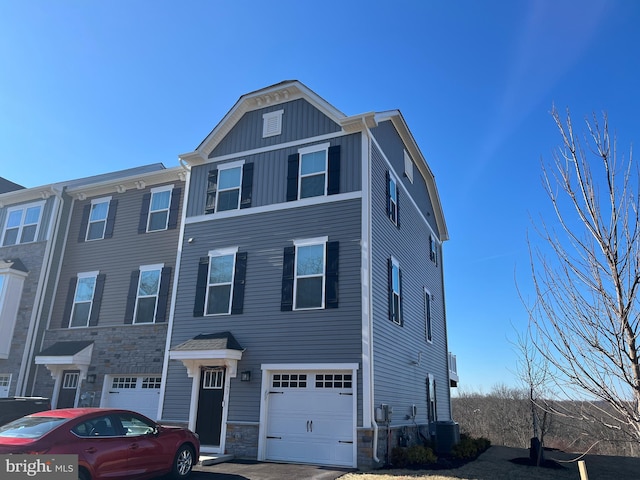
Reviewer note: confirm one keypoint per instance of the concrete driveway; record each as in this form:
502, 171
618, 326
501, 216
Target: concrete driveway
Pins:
254, 470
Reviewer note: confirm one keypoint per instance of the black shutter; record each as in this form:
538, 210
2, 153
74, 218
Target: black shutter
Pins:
239, 278
390, 288
144, 213
97, 300
331, 287
333, 182
400, 318
388, 192
84, 223
111, 219
68, 306
201, 287
212, 187
131, 297
288, 264
173, 208
247, 185
163, 295
397, 206
292, 177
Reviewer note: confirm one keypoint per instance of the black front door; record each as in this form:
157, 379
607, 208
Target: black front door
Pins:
210, 398
68, 389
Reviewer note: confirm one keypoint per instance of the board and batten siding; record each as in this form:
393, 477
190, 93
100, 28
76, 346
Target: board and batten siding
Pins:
270, 173
398, 381
268, 334
115, 257
300, 120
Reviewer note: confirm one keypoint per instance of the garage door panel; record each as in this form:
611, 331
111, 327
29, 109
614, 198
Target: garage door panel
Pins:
140, 393
311, 422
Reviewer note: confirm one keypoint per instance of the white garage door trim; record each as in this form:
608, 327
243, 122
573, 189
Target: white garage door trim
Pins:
137, 392
266, 453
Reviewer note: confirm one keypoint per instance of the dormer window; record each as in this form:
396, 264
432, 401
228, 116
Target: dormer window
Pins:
272, 123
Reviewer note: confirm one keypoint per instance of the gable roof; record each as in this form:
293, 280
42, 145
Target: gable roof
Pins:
293, 89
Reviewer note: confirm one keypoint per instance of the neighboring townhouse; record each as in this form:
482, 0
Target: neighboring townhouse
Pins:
107, 319
309, 318
29, 219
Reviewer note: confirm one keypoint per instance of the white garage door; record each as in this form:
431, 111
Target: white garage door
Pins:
140, 393
310, 418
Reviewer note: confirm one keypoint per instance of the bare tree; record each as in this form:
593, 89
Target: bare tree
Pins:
586, 274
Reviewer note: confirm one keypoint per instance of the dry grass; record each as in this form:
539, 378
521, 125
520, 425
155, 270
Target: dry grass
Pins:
495, 464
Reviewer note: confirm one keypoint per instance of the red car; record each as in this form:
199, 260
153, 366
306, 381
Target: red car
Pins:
109, 443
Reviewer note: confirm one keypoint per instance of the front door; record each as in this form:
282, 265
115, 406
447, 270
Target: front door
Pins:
68, 389
210, 398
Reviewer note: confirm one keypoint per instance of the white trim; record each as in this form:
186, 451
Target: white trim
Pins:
324, 147
310, 242
24, 207
80, 276
155, 190
146, 268
97, 201
223, 251
305, 202
174, 291
408, 166
268, 368
279, 146
304, 242
314, 148
270, 129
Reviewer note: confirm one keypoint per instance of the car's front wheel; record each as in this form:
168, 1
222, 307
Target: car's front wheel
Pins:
183, 462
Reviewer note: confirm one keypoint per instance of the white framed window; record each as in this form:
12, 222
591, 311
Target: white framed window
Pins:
408, 166
159, 208
70, 380
272, 123
392, 199
229, 186
395, 294
289, 380
220, 281
147, 293
433, 250
212, 379
83, 299
124, 382
151, 382
22, 224
309, 273
427, 315
5, 383
432, 404
312, 177
98, 218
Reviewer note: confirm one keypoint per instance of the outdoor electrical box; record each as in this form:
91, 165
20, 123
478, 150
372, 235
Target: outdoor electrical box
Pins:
384, 413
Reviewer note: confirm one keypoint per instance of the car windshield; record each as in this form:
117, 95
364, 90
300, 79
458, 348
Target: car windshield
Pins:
30, 427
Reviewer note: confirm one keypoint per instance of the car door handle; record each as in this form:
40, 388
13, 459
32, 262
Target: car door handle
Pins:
91, 450
133, 446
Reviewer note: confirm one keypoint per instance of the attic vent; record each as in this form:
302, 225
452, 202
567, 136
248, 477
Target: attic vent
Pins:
272, 123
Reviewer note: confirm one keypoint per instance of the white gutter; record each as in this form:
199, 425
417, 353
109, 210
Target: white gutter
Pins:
36, 312
367, 363
174, 289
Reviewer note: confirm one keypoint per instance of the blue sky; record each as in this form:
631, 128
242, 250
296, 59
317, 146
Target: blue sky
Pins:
88, 87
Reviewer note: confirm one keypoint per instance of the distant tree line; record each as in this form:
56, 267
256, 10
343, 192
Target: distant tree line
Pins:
504, 417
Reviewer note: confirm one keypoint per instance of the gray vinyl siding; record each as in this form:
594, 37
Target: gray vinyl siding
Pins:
397, 381
270, 173
299, 120
391, 144
267, 334
115, 257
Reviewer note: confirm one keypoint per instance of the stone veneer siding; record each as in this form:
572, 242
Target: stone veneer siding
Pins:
242, 439
125, 349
